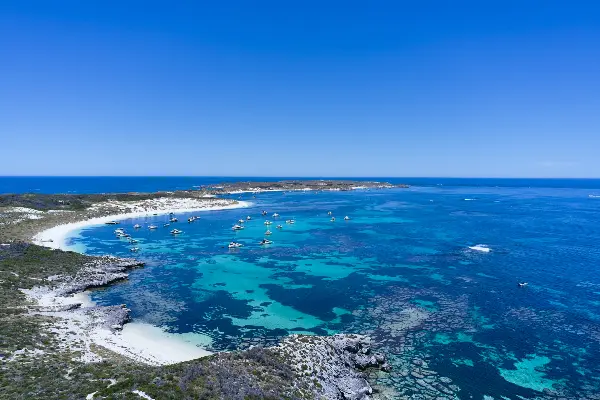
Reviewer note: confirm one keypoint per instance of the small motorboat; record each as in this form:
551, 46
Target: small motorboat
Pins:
263, 213
268, 222
329, 213
237, 227
173, 219
265, 241
165, 225
275, 215
241, 221
279, 226
522, 284
119, 230
290, 221
346, 218
134, 249
137, 226
268, 233
191, 219
176, 232
332, 219
235, 245
132, 240
127, 235
112, 223
120, 234
153, 227
248, 218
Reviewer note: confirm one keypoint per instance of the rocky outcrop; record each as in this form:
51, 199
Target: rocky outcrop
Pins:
333, 365
101, 271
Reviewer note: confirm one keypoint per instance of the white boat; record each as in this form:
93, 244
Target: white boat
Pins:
112, 223
134, 249
265, 241
329, 213
268, 233
523, 284
241, 221
120, 234
120, 230
268, 222
153, 227
279, 227
235, 245
173, 219
275, 215
191, 219
165, 225
290, 221
237, 227
346, 218
176, 232
263, 213
332, 219
137, 226
248, 218
132, 240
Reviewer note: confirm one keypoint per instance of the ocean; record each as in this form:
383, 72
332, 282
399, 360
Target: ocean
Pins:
431, 273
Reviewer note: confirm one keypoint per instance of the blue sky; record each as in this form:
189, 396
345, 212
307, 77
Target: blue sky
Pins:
465, 89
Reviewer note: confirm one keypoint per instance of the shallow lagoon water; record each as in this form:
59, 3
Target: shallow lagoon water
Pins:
401, 271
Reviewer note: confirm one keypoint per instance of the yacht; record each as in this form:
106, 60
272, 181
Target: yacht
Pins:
176, 232
290, 221
275, 215
264, 213
268, 222
268, 233
134, 249
153, 227
112, 223
237, 227
332, 219
165, 225
119, 230
173, 219
131, 240
279, 227
137, 226
346, 218
235, 245
265, 241
248, 218
523, 284
329, 213
241, 221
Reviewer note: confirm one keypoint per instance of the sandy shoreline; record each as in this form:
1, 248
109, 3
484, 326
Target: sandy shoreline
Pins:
56, 237
140, 341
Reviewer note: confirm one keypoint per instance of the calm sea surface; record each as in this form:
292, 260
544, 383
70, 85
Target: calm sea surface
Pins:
401, 270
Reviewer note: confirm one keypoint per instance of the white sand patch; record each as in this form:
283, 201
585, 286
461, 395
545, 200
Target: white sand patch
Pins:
147, 342
79, 329
56, 238
142, 394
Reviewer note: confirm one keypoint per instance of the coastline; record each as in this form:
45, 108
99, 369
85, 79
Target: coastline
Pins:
57, 236
138, 341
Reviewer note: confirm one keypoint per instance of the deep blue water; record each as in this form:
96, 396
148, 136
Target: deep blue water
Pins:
109, 184
400, 270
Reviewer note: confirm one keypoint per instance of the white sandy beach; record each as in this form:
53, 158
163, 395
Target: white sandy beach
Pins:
56, 237
139, 341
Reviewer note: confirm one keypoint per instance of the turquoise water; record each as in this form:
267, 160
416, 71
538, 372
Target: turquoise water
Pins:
401, 271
